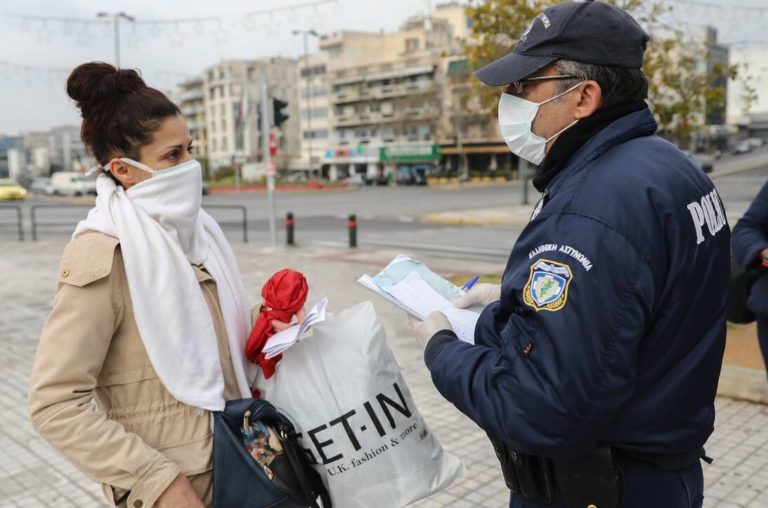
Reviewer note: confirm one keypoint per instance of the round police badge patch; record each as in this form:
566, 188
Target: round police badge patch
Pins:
547, 286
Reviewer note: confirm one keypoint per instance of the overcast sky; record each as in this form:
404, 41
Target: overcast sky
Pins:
34, 98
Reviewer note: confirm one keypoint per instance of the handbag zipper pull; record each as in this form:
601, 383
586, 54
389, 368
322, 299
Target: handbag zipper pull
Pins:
246, 422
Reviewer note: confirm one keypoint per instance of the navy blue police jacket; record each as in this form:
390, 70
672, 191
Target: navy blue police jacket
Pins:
612, 319
749, 240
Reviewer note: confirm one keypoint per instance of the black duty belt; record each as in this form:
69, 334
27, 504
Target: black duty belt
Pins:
595, 479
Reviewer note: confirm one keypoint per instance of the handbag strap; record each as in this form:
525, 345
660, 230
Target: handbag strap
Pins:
305, 482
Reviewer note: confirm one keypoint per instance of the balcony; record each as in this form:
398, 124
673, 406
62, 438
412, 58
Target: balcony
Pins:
191, 95
384, 92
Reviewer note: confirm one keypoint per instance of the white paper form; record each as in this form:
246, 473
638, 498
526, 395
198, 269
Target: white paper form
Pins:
414, 293
281, 341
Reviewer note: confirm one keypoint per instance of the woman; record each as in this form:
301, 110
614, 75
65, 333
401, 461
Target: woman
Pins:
750, 246
147, 331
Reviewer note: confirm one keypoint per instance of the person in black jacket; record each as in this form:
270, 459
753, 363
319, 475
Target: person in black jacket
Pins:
750, 245
595, 363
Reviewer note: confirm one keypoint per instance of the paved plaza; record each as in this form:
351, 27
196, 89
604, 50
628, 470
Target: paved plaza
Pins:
32, 474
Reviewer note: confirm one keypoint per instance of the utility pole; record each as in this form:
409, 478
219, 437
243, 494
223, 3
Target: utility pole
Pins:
116, 20
308, 77
463, 169
267, 157
522, 174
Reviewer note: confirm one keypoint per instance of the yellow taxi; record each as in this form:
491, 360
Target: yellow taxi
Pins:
10, 189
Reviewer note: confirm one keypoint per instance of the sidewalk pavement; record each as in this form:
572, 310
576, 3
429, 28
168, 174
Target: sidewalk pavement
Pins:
33, 475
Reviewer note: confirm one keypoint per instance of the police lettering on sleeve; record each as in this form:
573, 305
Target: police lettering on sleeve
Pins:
708, 215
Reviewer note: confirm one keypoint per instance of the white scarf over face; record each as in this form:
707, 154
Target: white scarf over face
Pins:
162, 231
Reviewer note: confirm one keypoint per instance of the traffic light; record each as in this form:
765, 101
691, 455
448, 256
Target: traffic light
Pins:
280, 117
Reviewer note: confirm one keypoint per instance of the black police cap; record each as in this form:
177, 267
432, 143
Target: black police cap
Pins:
582, 31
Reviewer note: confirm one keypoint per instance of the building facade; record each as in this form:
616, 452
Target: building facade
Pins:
232, 95
382, 99
190, 98
752, 62
66, 150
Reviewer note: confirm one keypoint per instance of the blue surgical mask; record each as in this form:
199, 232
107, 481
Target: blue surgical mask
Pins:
516, 117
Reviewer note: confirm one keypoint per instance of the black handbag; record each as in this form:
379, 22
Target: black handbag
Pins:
258, 461
741, 284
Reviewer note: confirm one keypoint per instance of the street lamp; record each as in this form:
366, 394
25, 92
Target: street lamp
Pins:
116, 19
306, 33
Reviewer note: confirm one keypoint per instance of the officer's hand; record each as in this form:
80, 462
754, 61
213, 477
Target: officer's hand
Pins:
424, 330
481, 294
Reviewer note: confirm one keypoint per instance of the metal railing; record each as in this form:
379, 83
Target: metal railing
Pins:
19, 223
38, 222
55, 223
229, 224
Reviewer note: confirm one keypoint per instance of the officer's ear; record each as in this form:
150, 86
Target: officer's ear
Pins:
589, 97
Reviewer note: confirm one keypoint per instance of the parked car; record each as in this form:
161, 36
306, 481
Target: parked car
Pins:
355, 180
411, 175
704, 161
66, 183
41, 185
10, 189
742, 147
380, 180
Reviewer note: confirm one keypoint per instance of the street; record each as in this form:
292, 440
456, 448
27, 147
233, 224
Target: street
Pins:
392, 216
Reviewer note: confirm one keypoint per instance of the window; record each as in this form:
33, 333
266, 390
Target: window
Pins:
318, 134
307, 114
316, 70
223, 143
411, 44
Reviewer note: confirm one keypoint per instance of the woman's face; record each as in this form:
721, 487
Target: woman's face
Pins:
171, 145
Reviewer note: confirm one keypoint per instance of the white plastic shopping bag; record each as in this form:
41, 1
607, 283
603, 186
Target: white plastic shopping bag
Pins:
343, 390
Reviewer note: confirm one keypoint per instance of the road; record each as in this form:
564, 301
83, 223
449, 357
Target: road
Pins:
391, 216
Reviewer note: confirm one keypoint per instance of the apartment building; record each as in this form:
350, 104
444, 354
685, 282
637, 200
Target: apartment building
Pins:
190, 98
375, 98
232, 95
66, 150
315, 110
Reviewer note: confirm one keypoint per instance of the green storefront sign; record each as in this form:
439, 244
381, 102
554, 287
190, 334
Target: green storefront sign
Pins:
410, 153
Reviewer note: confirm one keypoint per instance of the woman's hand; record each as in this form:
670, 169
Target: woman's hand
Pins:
279, 326
179, 494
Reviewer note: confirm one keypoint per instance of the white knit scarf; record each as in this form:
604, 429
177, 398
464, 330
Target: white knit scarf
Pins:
163, 231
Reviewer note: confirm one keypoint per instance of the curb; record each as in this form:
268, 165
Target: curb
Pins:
742, 383
468, 220
219, 191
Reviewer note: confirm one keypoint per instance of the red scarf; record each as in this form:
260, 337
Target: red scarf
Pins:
284, 295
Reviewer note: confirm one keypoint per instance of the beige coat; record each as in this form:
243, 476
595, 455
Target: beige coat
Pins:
94, 395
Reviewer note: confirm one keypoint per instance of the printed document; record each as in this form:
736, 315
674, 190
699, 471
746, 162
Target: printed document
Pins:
413, 287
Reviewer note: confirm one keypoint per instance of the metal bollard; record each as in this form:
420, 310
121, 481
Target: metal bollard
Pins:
352, 226
289, 224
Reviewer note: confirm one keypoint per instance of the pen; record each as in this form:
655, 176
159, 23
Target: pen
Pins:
471, 282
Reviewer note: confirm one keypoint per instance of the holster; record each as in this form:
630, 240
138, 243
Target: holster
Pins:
531, 476
590, 480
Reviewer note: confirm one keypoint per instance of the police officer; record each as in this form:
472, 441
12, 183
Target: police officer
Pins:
595, 363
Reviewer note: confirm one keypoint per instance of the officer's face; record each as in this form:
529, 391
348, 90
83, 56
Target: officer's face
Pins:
554, 115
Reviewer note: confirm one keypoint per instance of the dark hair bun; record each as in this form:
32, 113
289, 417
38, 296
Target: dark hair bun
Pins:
97, 84
119, 110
